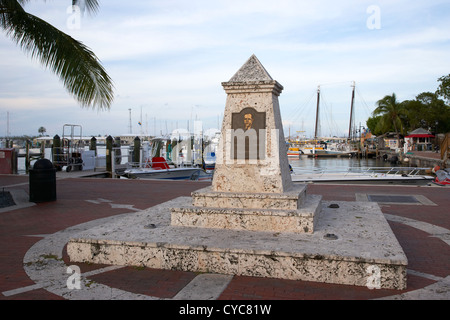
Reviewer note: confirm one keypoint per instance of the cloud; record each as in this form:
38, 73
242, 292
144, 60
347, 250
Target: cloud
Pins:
170, 56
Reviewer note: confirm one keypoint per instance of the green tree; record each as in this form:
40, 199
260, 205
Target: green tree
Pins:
444, 88
436, 114
414, 114
74, 63
42, 130
392, 115
427, 111
372, 124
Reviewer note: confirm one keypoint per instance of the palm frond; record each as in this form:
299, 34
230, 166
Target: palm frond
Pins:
92, 6
76, 65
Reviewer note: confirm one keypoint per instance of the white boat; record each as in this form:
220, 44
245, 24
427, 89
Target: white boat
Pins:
159, 169
294, 152
209, 162
373, 175
328, 147
311, 149
170, 174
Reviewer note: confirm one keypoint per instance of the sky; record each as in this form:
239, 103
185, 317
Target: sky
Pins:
168, 58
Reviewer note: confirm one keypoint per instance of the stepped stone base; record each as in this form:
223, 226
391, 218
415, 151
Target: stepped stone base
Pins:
292, 211
272, 220
292, 199
363, 251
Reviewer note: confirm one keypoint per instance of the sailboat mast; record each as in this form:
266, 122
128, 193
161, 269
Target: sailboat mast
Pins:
317, 112
351, 112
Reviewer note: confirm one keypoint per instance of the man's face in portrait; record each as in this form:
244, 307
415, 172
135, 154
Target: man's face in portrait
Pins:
248, 121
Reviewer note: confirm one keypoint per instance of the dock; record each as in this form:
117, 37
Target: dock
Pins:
428, 159
98, 173
425, 159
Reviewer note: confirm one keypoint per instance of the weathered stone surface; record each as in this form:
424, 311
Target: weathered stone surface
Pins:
252, 70
251, 190
253, 219
365, 243
252, 88
292, 199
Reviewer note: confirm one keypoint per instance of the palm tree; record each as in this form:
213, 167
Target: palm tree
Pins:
391, 112
76, 65
42, 130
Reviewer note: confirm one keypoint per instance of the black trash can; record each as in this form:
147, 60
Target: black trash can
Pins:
42, 181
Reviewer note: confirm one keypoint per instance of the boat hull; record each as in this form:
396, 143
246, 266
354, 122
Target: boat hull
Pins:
349, 179
169, 174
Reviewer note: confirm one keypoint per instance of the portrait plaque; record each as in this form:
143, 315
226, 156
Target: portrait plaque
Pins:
249, 134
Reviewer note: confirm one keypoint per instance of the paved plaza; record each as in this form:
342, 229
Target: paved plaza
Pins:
34, 264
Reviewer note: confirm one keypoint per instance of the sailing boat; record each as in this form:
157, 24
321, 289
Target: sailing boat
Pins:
329, 146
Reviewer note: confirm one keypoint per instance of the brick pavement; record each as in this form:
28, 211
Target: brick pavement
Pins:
82, 200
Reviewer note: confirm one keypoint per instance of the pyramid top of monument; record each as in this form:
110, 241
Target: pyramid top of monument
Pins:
252, 70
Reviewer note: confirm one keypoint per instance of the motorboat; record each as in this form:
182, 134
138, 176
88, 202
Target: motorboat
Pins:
373, 175
209, 161
442, 177
294, 152
158, 168
311, 149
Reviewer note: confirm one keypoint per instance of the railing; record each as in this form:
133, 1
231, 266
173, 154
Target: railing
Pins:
445, 148
117, 165
369, 171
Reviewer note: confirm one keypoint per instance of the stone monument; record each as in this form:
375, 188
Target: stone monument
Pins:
253, 220
252, 187
252, 158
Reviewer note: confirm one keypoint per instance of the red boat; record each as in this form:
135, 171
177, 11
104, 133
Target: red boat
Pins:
442, 177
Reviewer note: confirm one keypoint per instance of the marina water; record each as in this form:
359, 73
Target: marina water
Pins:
330, 164
335, 164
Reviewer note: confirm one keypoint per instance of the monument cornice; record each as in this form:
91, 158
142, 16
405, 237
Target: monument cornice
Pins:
253, 86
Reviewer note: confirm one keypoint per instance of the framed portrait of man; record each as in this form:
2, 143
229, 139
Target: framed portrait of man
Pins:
249, 132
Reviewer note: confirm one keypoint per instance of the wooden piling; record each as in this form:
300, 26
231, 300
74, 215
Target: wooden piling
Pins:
27, 156
137, 150
117, 151
93, 145
109, 147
